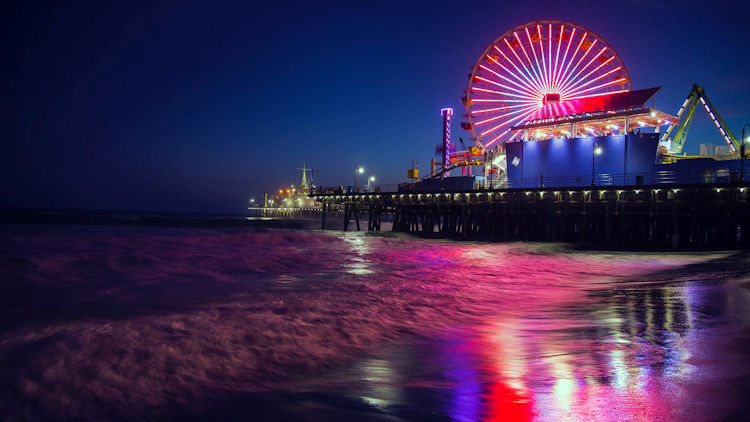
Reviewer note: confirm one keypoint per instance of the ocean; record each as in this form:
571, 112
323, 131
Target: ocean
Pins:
155, 321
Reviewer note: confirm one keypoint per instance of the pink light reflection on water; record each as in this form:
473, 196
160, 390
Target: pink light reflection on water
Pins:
138, 318
614, 363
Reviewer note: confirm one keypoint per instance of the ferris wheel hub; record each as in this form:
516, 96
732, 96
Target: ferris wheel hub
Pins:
551, 98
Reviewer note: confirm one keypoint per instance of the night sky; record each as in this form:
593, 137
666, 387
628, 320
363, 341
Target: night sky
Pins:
198, 106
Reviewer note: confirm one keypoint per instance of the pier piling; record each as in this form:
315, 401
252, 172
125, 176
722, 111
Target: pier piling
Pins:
625, 217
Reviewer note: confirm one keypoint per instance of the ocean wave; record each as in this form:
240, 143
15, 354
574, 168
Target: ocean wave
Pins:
103, 322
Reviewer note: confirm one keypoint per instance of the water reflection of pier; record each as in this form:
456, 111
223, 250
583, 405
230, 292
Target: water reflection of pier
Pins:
284, 212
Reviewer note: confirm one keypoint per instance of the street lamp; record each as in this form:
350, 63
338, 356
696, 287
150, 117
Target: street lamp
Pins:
370, 180
313, 172
357, 169
595, 150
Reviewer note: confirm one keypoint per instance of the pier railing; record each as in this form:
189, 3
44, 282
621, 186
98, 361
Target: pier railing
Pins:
667, 177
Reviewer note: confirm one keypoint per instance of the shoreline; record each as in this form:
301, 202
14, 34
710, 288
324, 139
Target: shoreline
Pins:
299, 222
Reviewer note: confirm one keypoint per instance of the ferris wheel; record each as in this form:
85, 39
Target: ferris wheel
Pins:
542, 62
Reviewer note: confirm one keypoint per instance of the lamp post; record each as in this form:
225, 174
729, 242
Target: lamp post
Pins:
595, 150
369, 181
313, 172
742, 153
357, 169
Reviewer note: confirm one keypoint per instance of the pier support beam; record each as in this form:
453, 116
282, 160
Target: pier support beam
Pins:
700, 216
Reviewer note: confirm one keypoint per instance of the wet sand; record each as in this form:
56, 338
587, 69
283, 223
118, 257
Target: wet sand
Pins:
676, 348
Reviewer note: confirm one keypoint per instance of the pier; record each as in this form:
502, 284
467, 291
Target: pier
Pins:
698, 216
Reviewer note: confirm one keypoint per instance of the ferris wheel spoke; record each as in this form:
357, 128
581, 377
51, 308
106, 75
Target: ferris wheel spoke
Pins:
569, 87
578, 97
565, 56
541, 54
566, 75
573, 57
518, 40
572, 90
531, 77
536, 59
526, 75
498, 126
490, 110
537, 72
489, 91
569, 76
530, 100
606, 84
512, 63
523, 119
492, 100
549, 58
496, 138
529, 113
557, 58
523, 94
526, 90
524, 86
588, 64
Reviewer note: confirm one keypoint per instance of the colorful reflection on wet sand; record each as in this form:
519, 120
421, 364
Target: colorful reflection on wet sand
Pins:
644, 352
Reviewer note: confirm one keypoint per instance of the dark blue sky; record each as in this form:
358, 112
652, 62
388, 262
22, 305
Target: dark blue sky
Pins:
196, 106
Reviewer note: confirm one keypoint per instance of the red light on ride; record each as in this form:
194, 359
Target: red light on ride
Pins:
551, 98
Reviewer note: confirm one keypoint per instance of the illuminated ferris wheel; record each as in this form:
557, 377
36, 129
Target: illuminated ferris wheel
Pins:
535, 64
